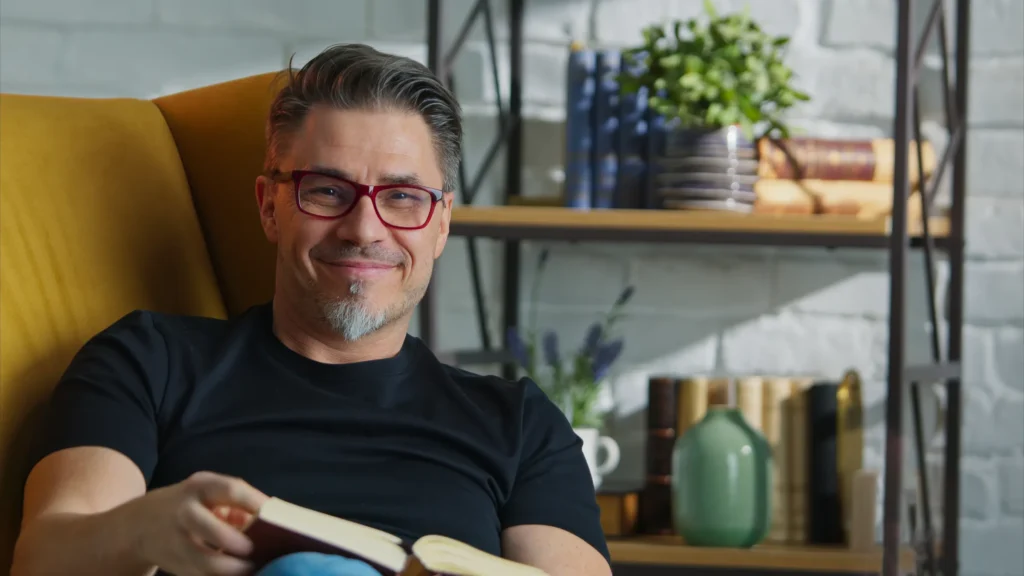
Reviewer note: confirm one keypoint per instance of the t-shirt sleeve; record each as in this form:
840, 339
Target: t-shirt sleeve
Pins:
553, 486
109, 394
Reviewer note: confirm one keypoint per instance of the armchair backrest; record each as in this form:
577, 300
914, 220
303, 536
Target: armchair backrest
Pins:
111, 205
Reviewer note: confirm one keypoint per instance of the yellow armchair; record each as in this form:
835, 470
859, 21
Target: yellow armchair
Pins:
111, 205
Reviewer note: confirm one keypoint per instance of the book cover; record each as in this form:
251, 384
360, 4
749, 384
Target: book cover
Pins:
631, 146
579, 133
658, 128
873, 160
824, 508
862, 199
604, 158
283, 528
692, 394
655, 514
777, 391
797, 445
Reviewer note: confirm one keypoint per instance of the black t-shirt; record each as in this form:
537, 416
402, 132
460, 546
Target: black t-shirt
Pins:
405, 444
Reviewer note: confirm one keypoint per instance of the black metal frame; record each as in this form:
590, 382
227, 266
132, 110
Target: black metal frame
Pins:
906, 130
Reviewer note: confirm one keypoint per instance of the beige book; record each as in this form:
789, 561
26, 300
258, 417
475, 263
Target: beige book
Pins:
692, 398
796, 410
749, 393
850, 197
774, 422
864, 498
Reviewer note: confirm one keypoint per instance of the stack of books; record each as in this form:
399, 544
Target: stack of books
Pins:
620, 153
815, 430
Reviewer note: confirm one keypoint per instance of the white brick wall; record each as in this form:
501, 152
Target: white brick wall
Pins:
697, 309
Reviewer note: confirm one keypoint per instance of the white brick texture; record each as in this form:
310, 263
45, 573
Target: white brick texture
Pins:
979, 492
847, 84
1009, 357
779, 17
800, 344
343, 20
29, 54
1011, 483
997, 26
696, 309
150, 63
73, 12
547, 21
997, 91
994, 291
727, 286
993, 157
992, 548
995, 227
860, 23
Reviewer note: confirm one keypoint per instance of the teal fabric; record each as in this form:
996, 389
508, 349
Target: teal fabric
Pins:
315, 564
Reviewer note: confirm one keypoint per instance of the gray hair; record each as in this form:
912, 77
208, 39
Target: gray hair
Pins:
359, 77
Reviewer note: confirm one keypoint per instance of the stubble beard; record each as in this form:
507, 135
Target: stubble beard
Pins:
352, 318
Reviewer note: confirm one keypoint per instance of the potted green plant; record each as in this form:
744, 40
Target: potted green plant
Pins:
716, 86
574, 382
715, 74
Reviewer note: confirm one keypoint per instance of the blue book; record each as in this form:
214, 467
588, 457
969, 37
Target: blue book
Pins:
657, 130
605, 158
632, 141
579, 133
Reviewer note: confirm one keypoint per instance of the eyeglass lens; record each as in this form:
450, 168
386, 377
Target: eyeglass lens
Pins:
329, 197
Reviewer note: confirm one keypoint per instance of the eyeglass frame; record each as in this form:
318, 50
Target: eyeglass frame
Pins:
368, 190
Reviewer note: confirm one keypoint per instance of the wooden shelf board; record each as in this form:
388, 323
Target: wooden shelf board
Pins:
670, 551
547, 217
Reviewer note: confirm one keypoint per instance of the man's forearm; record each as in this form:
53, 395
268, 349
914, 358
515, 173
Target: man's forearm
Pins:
85, 544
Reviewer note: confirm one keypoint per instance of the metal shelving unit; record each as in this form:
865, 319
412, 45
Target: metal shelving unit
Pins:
511, 224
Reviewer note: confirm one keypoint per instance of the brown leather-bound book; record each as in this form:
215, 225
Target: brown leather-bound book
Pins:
283, 528
719, 392
656, 499
803, 158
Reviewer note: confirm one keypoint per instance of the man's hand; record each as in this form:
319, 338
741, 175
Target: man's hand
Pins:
87, 512
195, 527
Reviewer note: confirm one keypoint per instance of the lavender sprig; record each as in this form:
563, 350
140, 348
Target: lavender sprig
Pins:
551, 349
592, 340
518, 348
605, 357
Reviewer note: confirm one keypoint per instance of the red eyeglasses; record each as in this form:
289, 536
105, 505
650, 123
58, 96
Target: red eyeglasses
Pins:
401, 206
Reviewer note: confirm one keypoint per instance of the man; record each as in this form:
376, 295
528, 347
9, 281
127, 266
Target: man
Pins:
168, 432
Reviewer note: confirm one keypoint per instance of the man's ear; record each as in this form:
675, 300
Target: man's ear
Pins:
445, 219
265, 188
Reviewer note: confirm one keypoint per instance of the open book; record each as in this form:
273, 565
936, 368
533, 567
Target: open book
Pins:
282, 528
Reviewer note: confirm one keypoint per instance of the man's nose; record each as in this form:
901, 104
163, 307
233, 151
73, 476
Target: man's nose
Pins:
362, 226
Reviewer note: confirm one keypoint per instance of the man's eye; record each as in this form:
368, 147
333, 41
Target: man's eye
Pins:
411, 196
325, 191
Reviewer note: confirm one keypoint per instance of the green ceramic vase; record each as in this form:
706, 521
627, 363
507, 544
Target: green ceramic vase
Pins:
721, 482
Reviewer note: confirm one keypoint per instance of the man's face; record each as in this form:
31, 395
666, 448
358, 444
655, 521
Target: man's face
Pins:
355, 272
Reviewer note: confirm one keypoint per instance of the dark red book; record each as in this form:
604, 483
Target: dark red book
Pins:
283, 528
